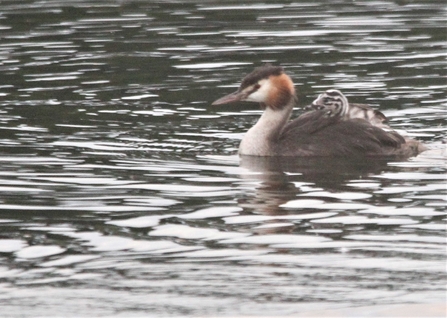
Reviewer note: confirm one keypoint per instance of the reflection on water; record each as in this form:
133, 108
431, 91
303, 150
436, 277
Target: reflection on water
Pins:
284, 179
121, 192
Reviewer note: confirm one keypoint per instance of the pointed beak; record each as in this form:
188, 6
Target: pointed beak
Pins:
316, 106
230, 98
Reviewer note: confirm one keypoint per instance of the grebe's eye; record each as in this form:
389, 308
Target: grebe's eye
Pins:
253, 88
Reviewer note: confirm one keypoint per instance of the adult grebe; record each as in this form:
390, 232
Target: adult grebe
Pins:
336, 104
311, 134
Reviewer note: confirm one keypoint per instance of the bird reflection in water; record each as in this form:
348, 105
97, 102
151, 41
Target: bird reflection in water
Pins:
282, 179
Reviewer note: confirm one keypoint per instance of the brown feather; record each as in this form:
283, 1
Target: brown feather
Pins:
318, 135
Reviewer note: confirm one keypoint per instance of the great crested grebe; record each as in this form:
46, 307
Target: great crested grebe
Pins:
311, 134
336, 104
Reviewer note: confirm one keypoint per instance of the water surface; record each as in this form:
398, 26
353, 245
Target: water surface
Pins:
121, 192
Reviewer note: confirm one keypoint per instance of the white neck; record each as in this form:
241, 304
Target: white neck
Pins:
262, 138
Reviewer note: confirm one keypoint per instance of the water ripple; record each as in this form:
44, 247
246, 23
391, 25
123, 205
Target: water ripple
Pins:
121, 187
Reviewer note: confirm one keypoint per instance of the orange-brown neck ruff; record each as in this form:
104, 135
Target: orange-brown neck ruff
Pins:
281, 93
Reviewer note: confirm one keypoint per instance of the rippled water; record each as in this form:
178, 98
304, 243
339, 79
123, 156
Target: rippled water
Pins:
121, 192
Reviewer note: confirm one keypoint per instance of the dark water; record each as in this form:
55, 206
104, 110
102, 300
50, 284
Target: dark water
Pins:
121, 192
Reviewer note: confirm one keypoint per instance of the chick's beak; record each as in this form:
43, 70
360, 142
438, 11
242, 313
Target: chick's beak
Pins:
230, 98
315, 106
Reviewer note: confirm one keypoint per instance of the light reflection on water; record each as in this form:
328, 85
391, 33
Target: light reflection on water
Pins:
120, 185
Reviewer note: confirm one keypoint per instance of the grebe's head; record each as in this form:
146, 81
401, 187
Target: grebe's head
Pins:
332, 100
268, 85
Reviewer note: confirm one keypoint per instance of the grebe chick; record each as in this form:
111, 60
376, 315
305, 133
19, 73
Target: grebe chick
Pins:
336, 104
311, 134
